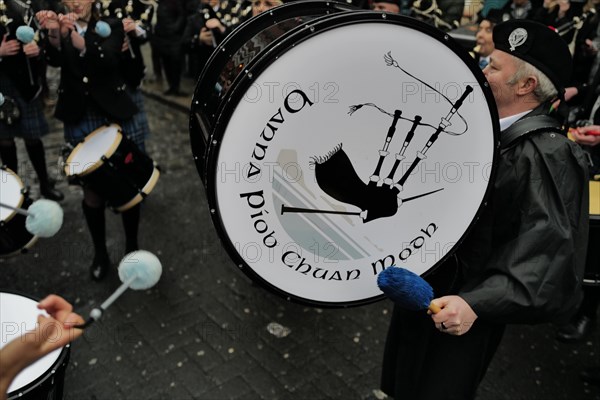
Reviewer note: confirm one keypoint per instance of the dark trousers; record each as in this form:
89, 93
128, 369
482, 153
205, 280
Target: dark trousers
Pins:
422, 363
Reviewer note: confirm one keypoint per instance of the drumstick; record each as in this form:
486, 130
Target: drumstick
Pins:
407, 289
17, 209
138, 270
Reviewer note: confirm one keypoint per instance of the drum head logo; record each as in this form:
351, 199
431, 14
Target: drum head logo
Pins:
326, 176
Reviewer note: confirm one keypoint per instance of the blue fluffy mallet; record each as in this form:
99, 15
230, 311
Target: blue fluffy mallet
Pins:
44, 217
406, 289
138, 270
25, 34
102, 29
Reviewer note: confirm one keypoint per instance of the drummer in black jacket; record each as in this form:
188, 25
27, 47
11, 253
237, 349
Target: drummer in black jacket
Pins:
20, 84
523, 261
92, 93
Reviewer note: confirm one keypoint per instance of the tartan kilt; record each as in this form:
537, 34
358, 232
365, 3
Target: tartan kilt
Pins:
32, 124
138, 129
93, 120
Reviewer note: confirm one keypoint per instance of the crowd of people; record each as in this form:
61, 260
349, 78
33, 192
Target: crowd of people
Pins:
551, 71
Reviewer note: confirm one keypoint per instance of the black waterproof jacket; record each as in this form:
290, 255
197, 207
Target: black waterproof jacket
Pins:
524, 261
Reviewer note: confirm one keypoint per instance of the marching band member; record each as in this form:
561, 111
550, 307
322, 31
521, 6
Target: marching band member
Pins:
524, 259
92, 93
166, 41
483, 37
203, 32
20, 82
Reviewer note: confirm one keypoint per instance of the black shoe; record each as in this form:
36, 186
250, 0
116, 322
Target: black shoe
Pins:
576, 330
591, 375
50, 192
99, 267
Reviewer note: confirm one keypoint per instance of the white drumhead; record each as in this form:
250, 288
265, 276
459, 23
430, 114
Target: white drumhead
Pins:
101, 142
10, 192
267, 156
18, 314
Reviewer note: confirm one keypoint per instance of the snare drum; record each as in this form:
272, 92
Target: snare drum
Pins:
14, 237
313, 154
592, 268
111, 165
44, 379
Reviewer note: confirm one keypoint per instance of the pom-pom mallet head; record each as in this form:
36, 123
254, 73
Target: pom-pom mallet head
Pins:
44, 217
138, 270
25, 34
102, 29
407, 289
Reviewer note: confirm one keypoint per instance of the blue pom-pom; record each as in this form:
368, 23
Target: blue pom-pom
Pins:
45, 218
142, 264
102, 29
25, 34
405, 288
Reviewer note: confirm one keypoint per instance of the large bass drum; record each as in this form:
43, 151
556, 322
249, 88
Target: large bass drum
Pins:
353, 142
232, 57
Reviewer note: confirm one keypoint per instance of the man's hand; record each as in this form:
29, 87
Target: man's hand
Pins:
456, 317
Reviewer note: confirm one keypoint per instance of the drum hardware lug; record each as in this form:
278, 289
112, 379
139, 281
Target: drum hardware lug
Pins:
446, 37
215, 142
486, 84
384, 16
212, 210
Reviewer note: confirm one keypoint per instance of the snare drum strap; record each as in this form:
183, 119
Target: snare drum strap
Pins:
528, 126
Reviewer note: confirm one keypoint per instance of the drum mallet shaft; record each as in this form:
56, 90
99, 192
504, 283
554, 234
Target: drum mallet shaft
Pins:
138, 270
17, 209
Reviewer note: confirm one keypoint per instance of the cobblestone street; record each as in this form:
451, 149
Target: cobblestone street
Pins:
205, 331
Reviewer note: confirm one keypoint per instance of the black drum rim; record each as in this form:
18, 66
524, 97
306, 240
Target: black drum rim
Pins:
239, 37
266, 58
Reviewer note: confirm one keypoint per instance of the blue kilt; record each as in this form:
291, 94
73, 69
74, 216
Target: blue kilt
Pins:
93, 119
32, 124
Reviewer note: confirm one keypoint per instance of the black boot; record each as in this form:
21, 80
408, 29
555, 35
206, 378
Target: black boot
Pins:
576, 331
131, 222
37, 156
97, 226
8, 154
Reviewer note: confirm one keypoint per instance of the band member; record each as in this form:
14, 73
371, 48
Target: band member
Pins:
92, 93
483, 37
135, 17
51, 333
166, 42
21, 72
524, 259
203, 32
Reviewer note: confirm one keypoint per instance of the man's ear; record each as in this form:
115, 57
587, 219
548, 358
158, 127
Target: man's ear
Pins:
527, 85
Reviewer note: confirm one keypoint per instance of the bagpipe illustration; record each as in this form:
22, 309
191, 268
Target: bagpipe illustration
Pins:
380, 197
